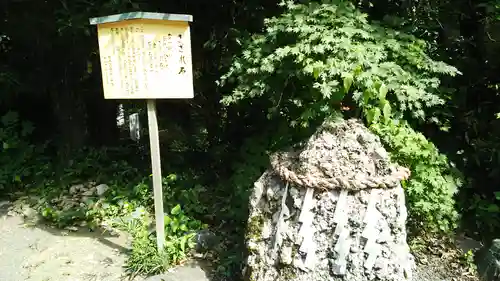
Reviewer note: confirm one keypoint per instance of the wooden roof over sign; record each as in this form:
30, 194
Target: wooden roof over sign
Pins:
140, 15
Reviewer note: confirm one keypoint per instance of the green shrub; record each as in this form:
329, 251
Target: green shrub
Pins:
433, 183
483, 214
20, 160
144, 258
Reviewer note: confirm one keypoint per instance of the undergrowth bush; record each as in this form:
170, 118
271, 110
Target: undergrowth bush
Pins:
55, 198
180, 234
434, 181
20, 161
318, 58
485, 216
232, 204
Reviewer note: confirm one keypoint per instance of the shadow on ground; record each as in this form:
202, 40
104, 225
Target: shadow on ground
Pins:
35, 252
114, 240
32, 219
195, 270
4, 207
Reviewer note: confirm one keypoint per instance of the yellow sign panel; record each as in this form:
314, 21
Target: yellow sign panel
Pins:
146, 59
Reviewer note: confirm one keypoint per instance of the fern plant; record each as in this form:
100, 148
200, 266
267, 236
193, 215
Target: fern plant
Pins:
316, 56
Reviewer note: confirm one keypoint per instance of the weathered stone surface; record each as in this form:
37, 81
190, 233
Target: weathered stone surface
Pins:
206, 240
101, 189
299, 233
488, 261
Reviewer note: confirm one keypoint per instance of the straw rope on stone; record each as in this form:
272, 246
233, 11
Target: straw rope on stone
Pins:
281, 161
340, 155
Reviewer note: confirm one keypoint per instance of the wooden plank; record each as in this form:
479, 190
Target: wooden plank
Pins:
156, 167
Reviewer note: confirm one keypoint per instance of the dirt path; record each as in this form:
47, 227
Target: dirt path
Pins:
41, 253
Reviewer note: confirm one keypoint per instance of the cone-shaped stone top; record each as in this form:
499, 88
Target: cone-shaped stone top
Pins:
341, 154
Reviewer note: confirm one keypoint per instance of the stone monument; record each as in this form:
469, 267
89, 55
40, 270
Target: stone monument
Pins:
331, 209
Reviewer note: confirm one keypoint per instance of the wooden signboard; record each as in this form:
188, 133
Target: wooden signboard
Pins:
147, 56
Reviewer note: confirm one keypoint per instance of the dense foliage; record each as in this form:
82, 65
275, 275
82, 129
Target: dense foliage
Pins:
334, 49
421, 74
17, 154
434, 182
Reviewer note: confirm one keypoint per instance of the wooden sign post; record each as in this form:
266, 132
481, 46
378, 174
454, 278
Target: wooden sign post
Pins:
147, 56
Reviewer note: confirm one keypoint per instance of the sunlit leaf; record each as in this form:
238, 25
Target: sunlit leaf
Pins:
176, 210
347, 81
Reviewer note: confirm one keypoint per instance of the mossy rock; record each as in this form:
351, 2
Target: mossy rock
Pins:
254, 228
488, 261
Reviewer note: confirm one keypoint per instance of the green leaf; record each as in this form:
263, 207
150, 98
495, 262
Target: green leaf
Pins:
347, 81
27, 129
46, 212
167, 219
183, 243
386, 109
358, 69
183, 227
372, 115
382, 92
316, 72
176, 210
493, 208
366, 97
10, 118
497, 195
174, 225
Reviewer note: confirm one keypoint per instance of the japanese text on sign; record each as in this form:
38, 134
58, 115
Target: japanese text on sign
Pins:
143, 59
